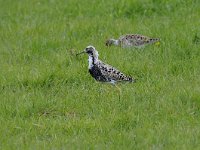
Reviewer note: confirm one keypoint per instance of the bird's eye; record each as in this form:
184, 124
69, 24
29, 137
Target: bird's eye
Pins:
89, 51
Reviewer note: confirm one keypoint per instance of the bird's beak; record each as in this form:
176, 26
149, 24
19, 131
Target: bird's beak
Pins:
80, 53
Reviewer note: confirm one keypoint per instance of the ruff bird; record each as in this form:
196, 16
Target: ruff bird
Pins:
133, 40
101, 71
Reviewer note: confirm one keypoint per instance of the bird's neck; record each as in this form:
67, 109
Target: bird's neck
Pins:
92, 61
115, 42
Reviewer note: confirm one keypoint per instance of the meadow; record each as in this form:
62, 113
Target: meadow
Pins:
48, 100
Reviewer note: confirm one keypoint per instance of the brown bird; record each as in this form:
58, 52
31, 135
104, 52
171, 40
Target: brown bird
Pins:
132, 40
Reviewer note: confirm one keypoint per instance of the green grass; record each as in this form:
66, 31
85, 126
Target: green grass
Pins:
48, 100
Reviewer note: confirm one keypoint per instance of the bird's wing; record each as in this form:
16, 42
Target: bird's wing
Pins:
137, 39
112, 73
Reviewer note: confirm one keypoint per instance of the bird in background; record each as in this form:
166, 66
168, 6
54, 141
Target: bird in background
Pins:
133, 40
101, 71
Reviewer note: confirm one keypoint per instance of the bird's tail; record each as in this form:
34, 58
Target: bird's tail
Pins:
155, 41
130, 79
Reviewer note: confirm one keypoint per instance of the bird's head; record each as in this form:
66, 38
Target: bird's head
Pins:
90, 50
111, 42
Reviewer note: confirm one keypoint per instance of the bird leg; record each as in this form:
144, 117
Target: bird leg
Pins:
119, 89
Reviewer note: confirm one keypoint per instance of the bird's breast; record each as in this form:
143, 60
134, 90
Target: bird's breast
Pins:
91, 62
96, 73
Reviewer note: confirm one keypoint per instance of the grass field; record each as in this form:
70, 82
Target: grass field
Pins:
48, 100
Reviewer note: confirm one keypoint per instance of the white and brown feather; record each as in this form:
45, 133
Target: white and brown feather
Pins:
111, 73
132, 40
101, 71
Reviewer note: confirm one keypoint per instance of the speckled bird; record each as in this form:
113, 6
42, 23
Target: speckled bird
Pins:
101, 71
132, 40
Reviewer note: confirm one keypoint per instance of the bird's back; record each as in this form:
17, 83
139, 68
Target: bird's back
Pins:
111, 74
136, 40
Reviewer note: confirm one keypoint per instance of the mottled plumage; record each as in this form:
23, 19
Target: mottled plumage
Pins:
103, 72
132, 40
